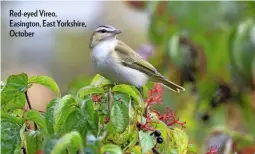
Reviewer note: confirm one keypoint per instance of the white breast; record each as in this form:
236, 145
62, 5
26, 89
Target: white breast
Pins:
102, 50
107, 66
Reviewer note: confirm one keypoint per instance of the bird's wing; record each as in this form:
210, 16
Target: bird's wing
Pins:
129, 58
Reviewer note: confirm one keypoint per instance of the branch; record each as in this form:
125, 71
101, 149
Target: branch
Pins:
28, 101
155, 151
24, 150
30, 107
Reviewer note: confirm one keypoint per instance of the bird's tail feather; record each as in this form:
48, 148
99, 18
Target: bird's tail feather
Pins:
170, 85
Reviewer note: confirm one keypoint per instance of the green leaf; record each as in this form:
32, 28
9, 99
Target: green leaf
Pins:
146, 140
128, 90
18, 113
16, 103
91, 149
120, 111
10, 137
18, 149
63, 109
72, 139
241, 48
192, 148
99, 81
88, 90
111, 149
181, 140
22, 134
49, 115
166, 133
10, 118
175, 139
33, 141
45, 81
248, 114
38, 118
89, 113
76, 122
15, 86
49, 144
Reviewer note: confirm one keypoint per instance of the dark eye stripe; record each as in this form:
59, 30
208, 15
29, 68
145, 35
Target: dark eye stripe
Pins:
105, 30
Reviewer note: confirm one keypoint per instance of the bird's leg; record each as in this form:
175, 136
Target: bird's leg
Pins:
140, 89
110, 100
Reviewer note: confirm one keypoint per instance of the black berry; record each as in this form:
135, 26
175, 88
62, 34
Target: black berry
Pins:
205, 117
157, 133
214, 103
160, 140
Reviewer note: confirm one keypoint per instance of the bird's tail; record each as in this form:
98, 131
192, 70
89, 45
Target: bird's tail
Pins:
170, 85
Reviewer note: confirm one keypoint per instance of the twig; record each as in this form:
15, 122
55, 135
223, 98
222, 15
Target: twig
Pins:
110, 100
28, 101
30, 107
24, 150
155, 151
41, 111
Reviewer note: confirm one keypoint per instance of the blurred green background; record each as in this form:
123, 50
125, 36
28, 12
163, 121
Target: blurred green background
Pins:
207, 47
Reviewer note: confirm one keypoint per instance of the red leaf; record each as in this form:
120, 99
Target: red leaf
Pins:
155, 95
170, 118
96, 98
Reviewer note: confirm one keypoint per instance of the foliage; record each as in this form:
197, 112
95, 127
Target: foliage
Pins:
95, 120
207, 47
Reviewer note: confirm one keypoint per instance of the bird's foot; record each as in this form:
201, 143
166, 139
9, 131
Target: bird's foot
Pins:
140, 89
110, 100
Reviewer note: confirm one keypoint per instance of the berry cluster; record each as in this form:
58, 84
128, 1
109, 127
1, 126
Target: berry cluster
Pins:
157, 134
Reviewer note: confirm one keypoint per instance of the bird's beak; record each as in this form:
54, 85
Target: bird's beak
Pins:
117, 31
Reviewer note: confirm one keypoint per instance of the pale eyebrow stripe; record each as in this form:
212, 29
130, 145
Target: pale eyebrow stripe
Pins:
106, 26
107, 29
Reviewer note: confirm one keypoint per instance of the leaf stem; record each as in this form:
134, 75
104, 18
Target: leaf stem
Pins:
24, 150
28, 101
30, 107
110, 100
154, 151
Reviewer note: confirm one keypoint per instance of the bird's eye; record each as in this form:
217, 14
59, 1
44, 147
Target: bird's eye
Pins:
103, 31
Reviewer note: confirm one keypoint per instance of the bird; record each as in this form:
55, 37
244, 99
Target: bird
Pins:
119, 63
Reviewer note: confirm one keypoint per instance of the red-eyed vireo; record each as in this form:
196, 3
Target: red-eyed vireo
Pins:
117, 62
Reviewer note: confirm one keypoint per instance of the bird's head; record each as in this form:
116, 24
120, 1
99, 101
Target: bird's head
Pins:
102, 33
